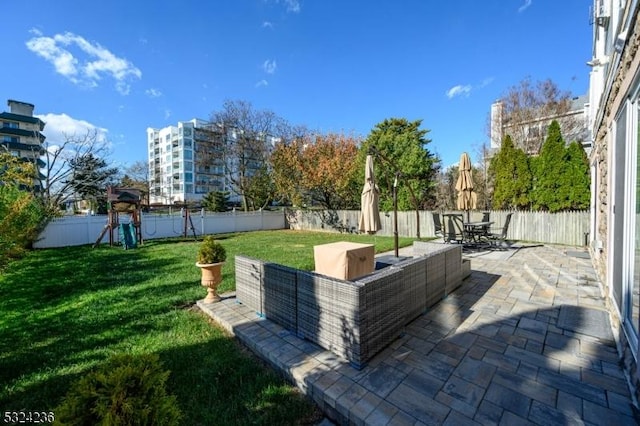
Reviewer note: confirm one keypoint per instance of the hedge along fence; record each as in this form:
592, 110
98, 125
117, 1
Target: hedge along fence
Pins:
568, 228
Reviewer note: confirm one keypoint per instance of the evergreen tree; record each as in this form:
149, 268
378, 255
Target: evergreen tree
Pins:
216, 201
552, 184
402, 146
578, 177
511, 177
90, 177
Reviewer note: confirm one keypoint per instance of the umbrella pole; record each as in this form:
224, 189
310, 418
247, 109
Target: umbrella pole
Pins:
395, 215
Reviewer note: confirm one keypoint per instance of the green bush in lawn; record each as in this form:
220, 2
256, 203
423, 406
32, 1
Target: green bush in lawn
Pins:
127, 390
21, 219
211, 251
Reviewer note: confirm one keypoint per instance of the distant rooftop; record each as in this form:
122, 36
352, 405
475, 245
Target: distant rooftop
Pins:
21, 108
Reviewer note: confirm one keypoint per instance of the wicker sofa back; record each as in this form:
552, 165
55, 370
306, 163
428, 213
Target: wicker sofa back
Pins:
354, 319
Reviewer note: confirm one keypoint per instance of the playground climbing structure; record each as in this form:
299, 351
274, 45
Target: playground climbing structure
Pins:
123, 201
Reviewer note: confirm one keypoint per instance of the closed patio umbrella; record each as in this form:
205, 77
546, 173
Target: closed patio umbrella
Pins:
369, 212
467, 197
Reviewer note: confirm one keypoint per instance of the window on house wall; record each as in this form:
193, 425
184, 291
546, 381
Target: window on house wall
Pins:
618, 207
10, 124
634, 300
594, 203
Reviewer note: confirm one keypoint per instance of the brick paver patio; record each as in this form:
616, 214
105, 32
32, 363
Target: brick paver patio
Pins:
525, 340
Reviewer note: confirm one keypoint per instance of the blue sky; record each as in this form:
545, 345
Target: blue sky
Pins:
334, 66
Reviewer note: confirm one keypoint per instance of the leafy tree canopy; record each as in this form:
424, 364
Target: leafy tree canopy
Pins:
401, 148
320, 169
15, 171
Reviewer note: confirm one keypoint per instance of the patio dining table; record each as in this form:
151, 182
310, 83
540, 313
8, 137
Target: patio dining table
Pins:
474, 231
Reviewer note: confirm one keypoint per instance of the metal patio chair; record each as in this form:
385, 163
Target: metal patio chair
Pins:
499, 236
453, 228
437, 225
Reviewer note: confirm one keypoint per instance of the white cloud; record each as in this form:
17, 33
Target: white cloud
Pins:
60, 127
90, 63
262, 83
292, 5
153, 93
267, 24
525, 6
167, 113
123, 88
459, 90
269, 66
487, 81
465, 90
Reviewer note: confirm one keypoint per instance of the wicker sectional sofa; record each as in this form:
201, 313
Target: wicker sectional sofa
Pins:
354, 319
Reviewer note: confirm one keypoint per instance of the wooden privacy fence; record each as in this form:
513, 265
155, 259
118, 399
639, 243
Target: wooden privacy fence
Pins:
80, 230
568, 228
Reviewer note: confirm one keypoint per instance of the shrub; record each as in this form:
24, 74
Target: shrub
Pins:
21, 219
211, 251
126, 390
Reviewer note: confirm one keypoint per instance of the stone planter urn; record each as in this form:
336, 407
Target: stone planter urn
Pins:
211, 277
211, 257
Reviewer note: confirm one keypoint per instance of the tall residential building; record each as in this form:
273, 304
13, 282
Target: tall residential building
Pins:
196, 157
175, 174
532, 132
21, 133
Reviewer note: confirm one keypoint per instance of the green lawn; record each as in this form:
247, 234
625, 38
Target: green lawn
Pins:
65, 311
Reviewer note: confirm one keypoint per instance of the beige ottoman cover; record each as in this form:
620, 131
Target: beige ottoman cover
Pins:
344, 260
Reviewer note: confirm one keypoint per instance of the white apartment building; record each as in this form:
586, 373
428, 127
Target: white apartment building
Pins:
175, 175
196, 157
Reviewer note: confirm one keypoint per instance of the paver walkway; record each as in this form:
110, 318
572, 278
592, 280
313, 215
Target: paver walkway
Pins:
524, 340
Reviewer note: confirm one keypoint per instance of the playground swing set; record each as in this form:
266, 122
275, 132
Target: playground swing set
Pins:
129, 201
123, 201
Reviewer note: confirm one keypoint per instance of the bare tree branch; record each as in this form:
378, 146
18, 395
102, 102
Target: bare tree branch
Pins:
526, 110
58, 158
